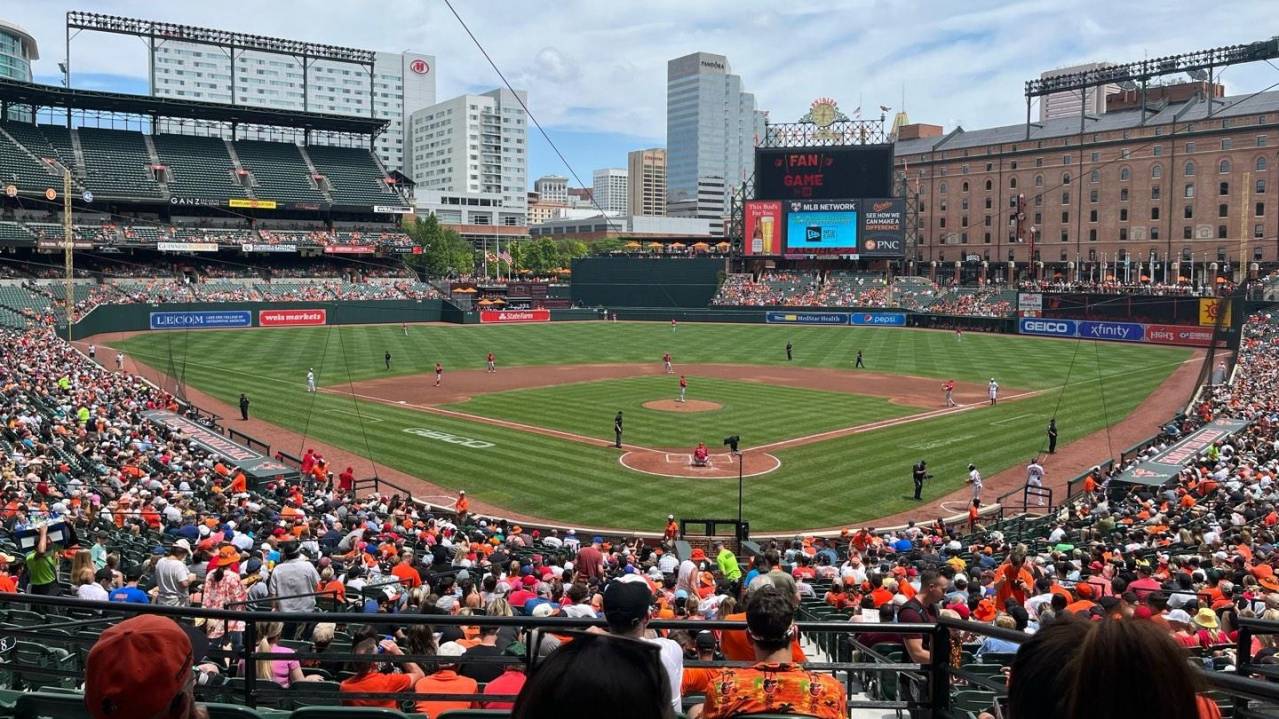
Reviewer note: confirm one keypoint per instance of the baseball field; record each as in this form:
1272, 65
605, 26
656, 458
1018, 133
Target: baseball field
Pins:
825, 444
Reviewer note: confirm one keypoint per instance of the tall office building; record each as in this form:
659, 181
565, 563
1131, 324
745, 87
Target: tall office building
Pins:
402, 84
17, 51
712, 127
608, 187
1067, 104
647, 176
551, 188
473, 146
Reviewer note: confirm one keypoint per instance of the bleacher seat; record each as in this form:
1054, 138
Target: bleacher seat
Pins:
116, 163
279, 171
354, 176
20, 168
199, 167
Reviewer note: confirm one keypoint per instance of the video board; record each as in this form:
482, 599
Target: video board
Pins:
823, 173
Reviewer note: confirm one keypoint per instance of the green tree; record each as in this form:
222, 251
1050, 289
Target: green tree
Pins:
443, 249
607, 245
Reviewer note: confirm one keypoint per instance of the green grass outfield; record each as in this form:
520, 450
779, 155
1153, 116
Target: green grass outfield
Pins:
836, 482
762, 412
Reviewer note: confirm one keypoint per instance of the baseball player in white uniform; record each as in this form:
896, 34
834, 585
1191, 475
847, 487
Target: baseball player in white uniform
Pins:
974, 480
992, 391
1035, 478
119, 361
310, 380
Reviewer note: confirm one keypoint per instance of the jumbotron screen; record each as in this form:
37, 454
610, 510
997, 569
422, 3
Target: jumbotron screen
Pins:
823, 173
822, 228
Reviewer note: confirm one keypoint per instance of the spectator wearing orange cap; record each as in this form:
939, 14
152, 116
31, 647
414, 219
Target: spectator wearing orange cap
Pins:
1084, 603
141, 667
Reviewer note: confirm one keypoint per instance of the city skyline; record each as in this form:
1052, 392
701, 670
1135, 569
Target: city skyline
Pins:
954, 66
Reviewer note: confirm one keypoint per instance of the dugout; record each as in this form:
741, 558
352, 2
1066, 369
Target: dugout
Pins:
652, 281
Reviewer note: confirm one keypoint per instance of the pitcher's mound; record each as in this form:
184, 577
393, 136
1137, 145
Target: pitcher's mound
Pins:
692, 405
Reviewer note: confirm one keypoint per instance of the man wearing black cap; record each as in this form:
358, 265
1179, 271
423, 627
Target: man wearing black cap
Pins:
627, 605
617, 429
244, 407
920, 473
293, 582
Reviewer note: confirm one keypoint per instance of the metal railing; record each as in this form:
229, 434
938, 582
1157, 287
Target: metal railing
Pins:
247, 440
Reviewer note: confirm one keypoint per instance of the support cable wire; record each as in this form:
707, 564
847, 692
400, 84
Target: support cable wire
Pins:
310, 407
355, 404
1105, 412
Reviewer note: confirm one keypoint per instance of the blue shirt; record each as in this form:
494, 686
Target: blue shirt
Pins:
129, 594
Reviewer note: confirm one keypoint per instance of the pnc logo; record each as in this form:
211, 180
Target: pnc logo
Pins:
871, 244
420, 66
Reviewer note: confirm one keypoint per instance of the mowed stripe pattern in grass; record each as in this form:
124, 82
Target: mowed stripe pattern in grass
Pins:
765, 413
842, 481
1025, 362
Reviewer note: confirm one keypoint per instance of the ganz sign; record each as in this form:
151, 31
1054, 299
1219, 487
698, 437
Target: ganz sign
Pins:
1053, 328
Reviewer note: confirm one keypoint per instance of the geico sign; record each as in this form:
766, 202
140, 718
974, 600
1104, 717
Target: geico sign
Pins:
449, 438
1048, 327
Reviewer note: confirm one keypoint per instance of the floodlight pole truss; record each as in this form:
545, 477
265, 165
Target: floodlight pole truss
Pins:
233, 43
1143, 71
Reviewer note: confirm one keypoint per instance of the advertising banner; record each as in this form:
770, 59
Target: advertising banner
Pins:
392, 210
187, 246
815, 229
292, 318
1030, 302
883, 231
1179, 335
1120, 331
511, 316
200, 320
246, 203
349, 249
1046, 327
806, 318
763, 228
1168, 463
268, 248
878, 319
61, 245
1208, 310
196, 202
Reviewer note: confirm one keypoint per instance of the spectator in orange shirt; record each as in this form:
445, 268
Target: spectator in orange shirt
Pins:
1013, 579
368, 677
405, 572
445, 680
698, 679
8, 583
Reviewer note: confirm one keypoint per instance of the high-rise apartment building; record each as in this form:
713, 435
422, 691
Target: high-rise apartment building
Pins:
17, 50
712, 126
608, 187
402, 84
646, 170
1067, 104
473, 145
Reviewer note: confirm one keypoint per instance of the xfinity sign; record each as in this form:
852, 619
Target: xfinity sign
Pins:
1052, 328
1120, 331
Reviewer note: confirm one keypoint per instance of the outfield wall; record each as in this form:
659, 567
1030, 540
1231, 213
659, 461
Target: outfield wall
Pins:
228, 315
656, 281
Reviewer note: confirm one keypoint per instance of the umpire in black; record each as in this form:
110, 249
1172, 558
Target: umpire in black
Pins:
617, 429
919, 474
1052, 436
244, 407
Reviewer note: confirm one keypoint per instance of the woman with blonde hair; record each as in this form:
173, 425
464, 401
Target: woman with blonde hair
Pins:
283, 671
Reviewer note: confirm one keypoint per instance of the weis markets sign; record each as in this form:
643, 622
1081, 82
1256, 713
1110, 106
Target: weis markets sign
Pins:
200, 320
448, 438
512, 316
292, 318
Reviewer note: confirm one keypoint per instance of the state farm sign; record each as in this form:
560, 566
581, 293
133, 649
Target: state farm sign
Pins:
510, 316
292, 318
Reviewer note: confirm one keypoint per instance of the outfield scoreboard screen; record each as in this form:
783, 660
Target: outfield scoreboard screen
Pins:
823, 173
821, 228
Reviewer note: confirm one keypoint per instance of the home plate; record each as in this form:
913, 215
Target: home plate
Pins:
401, 402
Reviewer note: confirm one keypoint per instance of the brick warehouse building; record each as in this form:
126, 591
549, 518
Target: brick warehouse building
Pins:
1171, 187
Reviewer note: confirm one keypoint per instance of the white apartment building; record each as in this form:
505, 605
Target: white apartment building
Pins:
609, 188
473, 146
712, 127
1067, 104
402, 84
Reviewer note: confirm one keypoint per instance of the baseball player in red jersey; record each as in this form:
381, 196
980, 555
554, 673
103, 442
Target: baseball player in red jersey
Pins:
949, 387
683, 387
439, 373
666, 360
492, 362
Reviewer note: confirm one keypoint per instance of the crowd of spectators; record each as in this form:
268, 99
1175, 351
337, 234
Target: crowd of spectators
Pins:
793, 288
1116, 287
973, 303
1181, 563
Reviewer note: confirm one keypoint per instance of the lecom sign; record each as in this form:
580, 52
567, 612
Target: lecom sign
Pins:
511, 316
292, 318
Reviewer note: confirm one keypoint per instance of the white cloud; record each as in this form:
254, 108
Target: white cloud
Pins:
601, 66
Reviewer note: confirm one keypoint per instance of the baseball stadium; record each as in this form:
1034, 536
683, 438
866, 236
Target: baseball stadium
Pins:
256, 387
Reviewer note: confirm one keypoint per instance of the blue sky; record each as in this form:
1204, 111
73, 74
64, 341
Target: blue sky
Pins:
595, 72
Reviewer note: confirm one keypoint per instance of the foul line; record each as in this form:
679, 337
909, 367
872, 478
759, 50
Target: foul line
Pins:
354, 414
